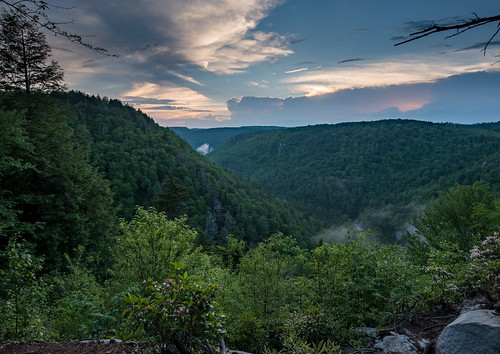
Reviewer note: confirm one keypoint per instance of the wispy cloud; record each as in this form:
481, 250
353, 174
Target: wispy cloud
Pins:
349, 60
184, 77
396, 71
173, 102
295, 71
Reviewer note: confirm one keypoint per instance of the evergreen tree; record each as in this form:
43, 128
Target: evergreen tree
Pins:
172, 198
24, 53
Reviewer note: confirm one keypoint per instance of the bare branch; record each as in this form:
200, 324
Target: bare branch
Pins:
459, 28
35, 12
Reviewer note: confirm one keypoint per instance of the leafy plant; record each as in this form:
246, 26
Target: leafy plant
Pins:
484, 269
179, 310
24, 294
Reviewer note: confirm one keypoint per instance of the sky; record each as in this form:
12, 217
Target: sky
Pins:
217, 63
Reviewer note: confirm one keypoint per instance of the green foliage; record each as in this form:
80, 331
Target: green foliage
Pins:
361, 283
179, 310
79, 303
445, 272
299, 346
54, 198
263, 292
378, 173
484, 269
22, 294
143, 160
15, 152
150, 242
463, 216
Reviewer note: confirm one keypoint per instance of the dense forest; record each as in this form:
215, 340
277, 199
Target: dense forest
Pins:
114, 227
71, 163
372, 174
206, 140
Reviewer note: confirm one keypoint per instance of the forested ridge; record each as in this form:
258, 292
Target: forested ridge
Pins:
213, 137
113, 227
378, 174
71, 163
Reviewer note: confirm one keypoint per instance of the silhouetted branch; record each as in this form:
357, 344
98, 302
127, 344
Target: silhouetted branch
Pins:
35, 11
459, 28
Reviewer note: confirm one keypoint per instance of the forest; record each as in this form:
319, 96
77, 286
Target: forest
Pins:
112, 226
80, 260
376, 175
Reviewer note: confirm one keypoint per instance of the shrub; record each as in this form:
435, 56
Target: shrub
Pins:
484, 269
180, 310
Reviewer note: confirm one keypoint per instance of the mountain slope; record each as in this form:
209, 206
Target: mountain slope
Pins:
376, 173
150, 165
205, 140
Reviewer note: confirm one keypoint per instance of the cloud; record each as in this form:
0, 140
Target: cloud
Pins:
163, 35
295, 71
445, 100
174, 103
257, 84
349, 60
204, 149
396, 71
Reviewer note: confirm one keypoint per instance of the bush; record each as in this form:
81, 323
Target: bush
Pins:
179, 310
484, 269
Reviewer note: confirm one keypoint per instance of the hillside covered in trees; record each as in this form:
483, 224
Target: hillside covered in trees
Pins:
375, 174
71, 163
206, 140
114, 227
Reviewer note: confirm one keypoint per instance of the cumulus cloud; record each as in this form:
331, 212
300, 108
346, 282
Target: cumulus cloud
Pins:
218, 36
445, 100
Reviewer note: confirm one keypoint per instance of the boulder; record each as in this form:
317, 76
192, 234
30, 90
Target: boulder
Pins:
476, 331
396, 343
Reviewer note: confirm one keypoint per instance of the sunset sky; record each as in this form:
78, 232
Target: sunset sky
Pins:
214, 63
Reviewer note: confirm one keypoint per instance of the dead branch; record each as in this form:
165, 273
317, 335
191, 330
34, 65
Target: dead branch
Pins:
35, 12
458, 27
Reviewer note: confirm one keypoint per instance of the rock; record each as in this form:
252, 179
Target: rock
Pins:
369, 331
396, 343
476, 331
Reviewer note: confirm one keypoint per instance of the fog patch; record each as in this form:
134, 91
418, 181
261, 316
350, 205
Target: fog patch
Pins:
338, 233
204, 149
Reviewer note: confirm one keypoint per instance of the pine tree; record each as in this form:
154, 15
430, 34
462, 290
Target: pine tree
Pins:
24, 53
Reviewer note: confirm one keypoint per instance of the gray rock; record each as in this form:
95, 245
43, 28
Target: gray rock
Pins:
475, 331
369, 331
396, 343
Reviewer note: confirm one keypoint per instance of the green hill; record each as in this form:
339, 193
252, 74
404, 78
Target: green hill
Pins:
377, 174
150, 165
206, 140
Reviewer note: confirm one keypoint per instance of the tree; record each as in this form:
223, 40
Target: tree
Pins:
463, 216
172, 198
23, 57
459, 27
35, 12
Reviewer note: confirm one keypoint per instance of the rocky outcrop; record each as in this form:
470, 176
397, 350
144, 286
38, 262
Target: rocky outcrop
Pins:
476, 331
